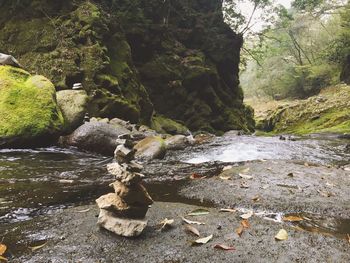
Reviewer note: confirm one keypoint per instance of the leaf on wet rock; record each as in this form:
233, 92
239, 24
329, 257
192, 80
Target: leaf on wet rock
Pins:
196, 176
192, 229
35, 248
292, 218
166, 223
245, 223
199, 212
3, 249
228, 210
281, 235
225, 177
290, 175
224, 247
192, 222
239, 230
306, 164
245, 176
203, 240
65, 181
256, 198
247, 215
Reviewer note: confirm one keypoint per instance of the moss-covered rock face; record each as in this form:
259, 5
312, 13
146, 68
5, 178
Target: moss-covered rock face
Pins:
28, 109
328, 112
134, 56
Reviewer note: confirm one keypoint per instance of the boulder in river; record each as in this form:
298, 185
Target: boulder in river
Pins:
176, 142
150, 148
73, 104
29, 115
96, 137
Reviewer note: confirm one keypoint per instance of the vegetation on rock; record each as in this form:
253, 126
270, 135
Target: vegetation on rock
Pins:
28, 108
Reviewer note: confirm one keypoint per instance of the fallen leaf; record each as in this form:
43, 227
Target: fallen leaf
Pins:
306, 164
256, 198
225, 177
290, 175
196, 176
83, 211
2, 249
203, 240
245, 223
244, 185
247, 215
245, 176
292, 218
224, 247
281, 235
166, 223
3, 259
228, 167
246, 170
192, 230
35, 248
192, 222
269, 168
199, 212
64, 181
240, 230
229, 210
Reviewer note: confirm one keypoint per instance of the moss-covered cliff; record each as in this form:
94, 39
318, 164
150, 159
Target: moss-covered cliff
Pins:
134, 56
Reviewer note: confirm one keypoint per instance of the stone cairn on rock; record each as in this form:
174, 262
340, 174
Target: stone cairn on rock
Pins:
123, 212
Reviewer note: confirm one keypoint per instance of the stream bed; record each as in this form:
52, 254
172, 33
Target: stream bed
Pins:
43, 181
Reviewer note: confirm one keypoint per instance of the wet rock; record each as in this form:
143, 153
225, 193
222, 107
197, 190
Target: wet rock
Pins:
153, 147
9, 61
120, 208
120, 172
73, 104
124, 154
134, 167
121, 226
176, 142
134, 194
95, 137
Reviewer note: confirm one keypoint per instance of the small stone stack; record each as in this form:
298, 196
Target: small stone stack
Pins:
123, 212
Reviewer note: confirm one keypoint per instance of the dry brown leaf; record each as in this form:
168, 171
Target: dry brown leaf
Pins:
290, 175
35, 248
192, 222
166, 223
203, 240
247, 215
245, 223
240, 230
281, 235
3, 249
256, 198
199, 212
292, 218
192, 229
228, 210
224, 247
3, 259
246, 170
306, 164
196, 176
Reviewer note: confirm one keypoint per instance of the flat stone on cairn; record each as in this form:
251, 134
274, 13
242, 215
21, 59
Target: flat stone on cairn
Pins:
123, 212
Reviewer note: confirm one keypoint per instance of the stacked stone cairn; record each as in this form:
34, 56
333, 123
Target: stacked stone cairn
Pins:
123, 212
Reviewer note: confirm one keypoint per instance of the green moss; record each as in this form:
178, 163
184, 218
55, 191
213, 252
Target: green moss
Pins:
162, 124
28, 106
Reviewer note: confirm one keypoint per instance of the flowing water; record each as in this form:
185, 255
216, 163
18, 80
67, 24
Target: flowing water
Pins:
41, 181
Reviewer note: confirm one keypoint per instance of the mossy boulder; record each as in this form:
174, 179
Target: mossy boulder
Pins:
153, 147
29, 115
73, 104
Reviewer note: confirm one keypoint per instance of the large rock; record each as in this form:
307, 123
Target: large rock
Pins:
29, 115
96, 137
121, 226
150, 148
73, 104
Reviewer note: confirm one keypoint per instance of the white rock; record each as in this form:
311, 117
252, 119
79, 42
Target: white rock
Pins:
121, 226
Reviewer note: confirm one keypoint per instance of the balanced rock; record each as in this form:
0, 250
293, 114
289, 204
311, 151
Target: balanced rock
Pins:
121, 226
135, 194
121, 174
124, 154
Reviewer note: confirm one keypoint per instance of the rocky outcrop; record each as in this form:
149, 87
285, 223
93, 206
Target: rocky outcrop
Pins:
133, 57
29, 115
